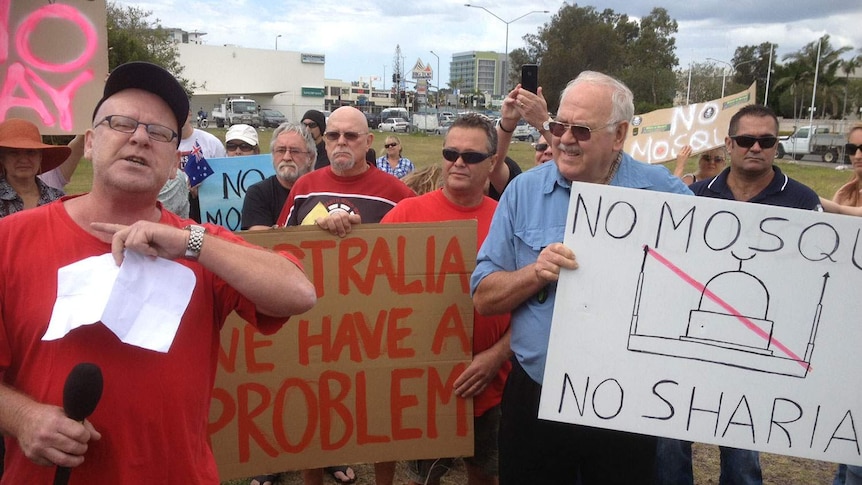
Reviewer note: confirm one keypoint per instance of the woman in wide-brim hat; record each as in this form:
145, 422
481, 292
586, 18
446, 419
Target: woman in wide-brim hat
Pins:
23, 157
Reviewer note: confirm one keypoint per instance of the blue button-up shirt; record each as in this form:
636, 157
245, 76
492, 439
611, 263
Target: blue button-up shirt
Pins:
530, 216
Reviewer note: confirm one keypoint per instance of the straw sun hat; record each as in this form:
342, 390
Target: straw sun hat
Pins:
22, 134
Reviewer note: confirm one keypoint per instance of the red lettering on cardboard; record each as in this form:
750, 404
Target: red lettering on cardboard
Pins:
351, 253
362, 435
405, 288
453, 263
399, 402
451, 326
228, 411
394, 334
247, 430
281, 414
255, 340
227, 360
446, 392
334, 403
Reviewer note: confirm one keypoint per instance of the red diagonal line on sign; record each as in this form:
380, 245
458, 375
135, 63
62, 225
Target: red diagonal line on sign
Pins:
720, 302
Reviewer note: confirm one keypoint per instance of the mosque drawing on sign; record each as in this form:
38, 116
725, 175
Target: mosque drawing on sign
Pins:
734, 333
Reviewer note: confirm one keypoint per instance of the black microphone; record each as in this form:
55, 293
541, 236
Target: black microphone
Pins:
81, 394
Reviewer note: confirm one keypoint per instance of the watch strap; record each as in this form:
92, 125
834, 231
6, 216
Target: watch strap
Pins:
196, 241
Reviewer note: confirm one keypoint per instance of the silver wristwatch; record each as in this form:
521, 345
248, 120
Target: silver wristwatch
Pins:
196, 241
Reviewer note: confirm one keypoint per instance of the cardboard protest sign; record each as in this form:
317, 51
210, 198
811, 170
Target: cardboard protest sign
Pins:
658, 136
709, 320
367, 374
53, 62
221, 194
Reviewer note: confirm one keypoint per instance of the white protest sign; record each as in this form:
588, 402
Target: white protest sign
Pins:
709, 320
658, 136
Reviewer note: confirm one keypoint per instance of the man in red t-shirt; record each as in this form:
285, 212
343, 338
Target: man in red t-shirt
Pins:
468, 159
150, 425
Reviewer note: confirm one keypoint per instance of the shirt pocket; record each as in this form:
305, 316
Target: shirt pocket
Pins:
529, 242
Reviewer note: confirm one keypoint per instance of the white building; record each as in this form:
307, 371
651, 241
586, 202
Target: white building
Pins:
291, 82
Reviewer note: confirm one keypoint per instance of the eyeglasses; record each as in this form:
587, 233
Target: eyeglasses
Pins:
580, 132
243, 147
390, 145
294, 152
540, 147
348, 135
850, 149
127, 125
716, 159
310, 124
746, 141
468, 157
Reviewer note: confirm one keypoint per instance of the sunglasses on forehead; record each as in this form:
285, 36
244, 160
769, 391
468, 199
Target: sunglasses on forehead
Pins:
746, 141
850, 149
469, 157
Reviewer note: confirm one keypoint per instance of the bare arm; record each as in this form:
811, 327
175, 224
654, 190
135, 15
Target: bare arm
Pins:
68, 167
681, 158
503, 291
273, 283
483, 368
836, 208
45, 434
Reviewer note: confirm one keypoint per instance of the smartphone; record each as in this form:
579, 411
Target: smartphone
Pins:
530, 77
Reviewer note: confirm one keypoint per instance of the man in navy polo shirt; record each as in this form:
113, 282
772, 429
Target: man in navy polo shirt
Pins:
751, 177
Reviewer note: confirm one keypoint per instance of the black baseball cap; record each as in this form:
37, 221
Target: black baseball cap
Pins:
152, 78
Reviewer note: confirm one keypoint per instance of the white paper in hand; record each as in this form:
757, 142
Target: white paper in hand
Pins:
142, 301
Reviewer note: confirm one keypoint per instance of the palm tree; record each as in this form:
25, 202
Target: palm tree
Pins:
830, 61
848, 66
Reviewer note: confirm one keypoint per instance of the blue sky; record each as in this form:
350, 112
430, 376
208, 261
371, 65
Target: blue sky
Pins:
359, 39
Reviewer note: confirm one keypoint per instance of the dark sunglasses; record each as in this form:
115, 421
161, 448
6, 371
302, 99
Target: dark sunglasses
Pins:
245, 147
580, 132
716, 159
390, 145
540, 147
310, 124
746, 141
348, 135
850, 149
469, 157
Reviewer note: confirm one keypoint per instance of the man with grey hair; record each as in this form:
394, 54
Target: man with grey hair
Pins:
293, 154
517, 270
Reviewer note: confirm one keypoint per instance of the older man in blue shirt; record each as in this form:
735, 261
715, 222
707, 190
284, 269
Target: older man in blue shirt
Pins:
517, 270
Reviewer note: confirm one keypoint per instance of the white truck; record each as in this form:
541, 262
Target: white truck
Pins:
814, 140
233, 110
426, 122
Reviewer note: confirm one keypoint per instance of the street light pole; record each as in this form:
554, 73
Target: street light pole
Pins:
723, 72
732, 69
505, 81
437, 78
276, 41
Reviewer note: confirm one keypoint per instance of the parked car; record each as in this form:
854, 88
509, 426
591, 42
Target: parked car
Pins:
271, 118
522, 131
443, 128
394, 124
373, 119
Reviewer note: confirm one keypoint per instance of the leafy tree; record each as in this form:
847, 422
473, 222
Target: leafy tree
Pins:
582, 38
827, 82
132, 36
751, 65
651, 60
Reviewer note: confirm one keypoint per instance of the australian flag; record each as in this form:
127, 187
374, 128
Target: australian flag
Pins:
197, 167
